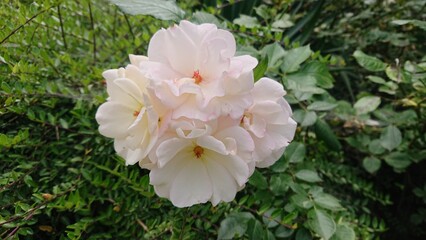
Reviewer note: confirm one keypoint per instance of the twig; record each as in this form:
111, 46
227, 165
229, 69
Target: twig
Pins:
93, 29
28, 215
20, 178
66, 33
183, 224
13, 232
142, 225
62, 26
229, 3
130, 26
269, 218
22, 25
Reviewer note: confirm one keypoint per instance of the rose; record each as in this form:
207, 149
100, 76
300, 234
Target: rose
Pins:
191, 113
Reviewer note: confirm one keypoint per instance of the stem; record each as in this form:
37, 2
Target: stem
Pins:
22, 25
62, 26
130, 26
93, 29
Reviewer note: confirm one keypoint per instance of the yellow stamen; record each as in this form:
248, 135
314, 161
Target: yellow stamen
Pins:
197, 77
198, 151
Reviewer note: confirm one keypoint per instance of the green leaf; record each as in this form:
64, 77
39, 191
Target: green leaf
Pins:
303, 234
308, 175
367, 104
246, 21
5, 87
390, 137
269, 235
375, 147
280, 166
398, 160
161, 9
389, 88
263, 11
280, 183
283, 22
247, 50
203, 17
2, 60
327, 201
283, 232
321, 223
319, 71
303, 86
321, 106
371, 164
258, 180
295, 152
305, 118
272, 217
417, 23
344, 232
392, 74
376, 79
368, 62
63, 123
294, 57
326, 134
255, 230
302, 201
260, 69
235, 224
275, 53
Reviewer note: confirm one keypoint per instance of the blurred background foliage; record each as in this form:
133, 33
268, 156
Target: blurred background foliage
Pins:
355, 73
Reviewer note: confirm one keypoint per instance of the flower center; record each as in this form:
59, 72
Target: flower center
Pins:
197, 77
198, 151
246, 115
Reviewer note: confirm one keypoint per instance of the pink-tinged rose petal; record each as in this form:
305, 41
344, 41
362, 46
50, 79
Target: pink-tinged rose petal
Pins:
224, 185
131, 156
212, 143
191, 110
242, 137
271, 158
258, 126
168, 149
191, 185
241, 64
267, 89
235, 166
162, 178
269, 122
129, 88
114, 119
137, 59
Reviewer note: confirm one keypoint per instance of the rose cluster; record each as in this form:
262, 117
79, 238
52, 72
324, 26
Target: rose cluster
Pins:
191, 113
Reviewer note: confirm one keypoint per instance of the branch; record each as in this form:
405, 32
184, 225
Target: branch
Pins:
22, 25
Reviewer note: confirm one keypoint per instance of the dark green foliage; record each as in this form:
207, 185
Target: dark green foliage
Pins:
354, 171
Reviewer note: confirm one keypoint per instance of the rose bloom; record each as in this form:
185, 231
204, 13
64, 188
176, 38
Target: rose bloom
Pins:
192, 115
191, 65
268, 121
129, 115
198, 162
